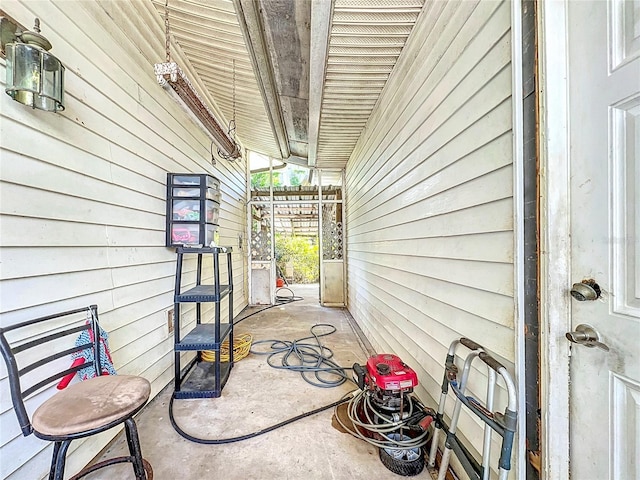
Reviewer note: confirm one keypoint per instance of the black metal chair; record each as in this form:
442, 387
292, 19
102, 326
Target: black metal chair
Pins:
37, 354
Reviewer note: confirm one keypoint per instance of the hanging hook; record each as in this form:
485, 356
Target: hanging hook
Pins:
233, 63
167, 41
231, 131
213, 159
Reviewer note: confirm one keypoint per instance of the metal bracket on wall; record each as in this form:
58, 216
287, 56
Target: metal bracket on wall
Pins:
9, 30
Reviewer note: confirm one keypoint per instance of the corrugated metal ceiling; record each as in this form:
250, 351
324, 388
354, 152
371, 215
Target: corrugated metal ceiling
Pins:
365, 39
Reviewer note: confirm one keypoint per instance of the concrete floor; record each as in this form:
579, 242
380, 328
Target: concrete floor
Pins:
257, 396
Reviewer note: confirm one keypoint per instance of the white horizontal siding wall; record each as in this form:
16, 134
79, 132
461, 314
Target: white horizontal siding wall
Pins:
430, 199
82, 200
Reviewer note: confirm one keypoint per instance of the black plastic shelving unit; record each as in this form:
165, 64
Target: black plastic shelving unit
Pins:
200, 379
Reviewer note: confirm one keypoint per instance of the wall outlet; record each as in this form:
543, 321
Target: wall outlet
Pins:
170, 320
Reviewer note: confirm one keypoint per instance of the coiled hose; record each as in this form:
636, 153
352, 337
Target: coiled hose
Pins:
383, 429
241, 347
306, 358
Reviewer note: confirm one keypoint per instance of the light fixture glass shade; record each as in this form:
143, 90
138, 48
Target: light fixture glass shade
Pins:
34, 77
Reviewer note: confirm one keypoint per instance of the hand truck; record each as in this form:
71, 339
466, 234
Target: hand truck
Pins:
503, 423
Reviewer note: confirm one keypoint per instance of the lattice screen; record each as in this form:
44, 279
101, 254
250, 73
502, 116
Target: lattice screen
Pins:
332, 234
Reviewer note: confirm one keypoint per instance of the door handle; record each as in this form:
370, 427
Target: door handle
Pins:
586, 335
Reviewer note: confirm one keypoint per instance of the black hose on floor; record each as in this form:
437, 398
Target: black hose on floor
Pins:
280, 300
221, 441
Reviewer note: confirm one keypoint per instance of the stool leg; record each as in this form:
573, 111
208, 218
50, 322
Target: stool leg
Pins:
134, 448
59, 460
54, 458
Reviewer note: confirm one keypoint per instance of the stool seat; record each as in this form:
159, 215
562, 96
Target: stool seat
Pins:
90, 405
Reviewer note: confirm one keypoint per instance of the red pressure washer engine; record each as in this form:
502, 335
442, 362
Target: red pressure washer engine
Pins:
389, 415
389, 377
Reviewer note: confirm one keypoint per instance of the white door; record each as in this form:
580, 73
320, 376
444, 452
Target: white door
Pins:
604, 119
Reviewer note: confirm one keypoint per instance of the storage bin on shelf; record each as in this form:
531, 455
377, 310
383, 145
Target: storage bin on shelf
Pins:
193, 209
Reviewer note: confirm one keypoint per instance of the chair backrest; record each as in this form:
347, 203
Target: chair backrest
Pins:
38, 352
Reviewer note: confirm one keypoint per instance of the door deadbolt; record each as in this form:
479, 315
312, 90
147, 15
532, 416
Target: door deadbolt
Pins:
586, 290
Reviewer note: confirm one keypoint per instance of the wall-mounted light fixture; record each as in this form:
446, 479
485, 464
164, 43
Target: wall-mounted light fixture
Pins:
35, 77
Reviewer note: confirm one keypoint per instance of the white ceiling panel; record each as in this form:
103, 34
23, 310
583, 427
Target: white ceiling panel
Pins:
288, 101
365, 40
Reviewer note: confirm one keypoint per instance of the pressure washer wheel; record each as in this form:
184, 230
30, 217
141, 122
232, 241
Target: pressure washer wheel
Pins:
402, 462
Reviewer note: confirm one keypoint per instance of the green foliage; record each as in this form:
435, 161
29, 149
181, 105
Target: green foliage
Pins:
261, 179
291, 176
297, 175
303, 253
